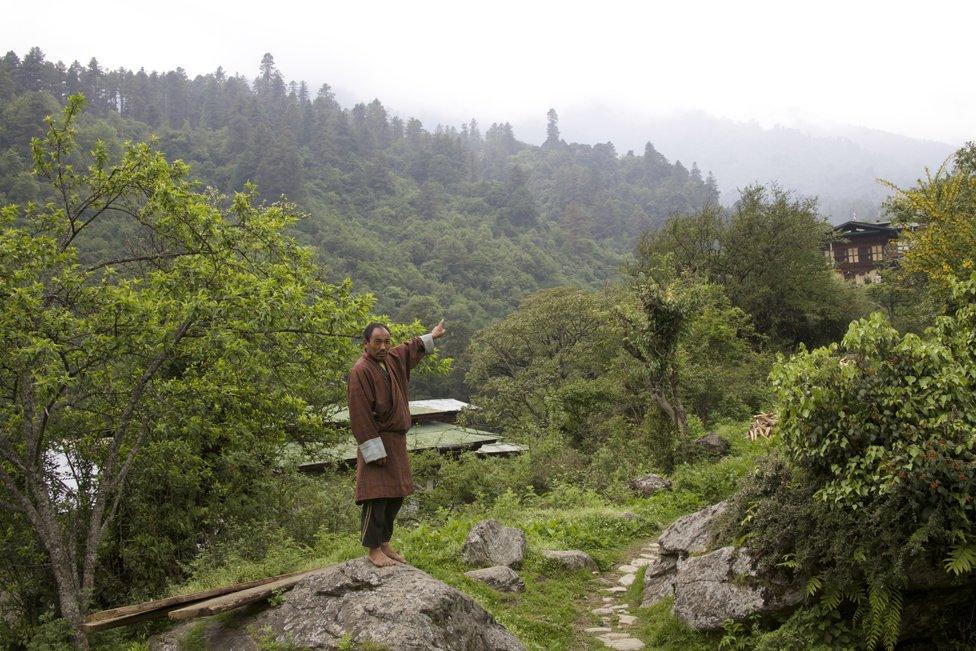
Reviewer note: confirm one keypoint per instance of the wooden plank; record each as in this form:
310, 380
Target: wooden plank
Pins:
160, 607
236, 599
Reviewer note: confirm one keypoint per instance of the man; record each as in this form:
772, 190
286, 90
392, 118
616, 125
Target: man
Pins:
378, 409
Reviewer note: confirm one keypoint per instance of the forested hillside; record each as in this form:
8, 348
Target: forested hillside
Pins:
444, 222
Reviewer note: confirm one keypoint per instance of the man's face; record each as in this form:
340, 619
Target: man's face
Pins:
378, 345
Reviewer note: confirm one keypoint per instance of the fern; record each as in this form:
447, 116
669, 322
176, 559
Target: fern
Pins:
880, 616
961, 559
814, 585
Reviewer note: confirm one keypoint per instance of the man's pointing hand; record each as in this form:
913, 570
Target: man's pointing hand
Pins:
438, 330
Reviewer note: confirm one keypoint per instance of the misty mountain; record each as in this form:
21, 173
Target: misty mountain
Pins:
839, 165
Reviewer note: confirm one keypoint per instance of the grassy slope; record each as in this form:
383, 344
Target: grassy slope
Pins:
551, 613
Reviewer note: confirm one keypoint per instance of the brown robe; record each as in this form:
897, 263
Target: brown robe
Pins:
378, 406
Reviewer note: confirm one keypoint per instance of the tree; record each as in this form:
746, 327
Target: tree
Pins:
939, 217
102, 354
525, 365
552, 128
767, 253
652, 332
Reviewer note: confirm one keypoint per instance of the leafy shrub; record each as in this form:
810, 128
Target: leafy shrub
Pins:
878, 465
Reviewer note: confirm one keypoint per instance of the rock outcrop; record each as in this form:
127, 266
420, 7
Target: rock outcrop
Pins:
571, 559
690, 534
684, 537
723, 585
709, 588
399, 607
489, 544
499, 577
647, 485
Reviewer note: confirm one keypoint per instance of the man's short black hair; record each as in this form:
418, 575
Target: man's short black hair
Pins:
368, 331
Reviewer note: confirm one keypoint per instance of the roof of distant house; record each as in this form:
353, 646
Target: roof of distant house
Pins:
417, 408
864, 228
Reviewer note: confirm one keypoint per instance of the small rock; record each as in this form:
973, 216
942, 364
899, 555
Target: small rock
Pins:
625, 644
500, 577
714, 444
615, 636
489, 544
620, 607
647, 485
617, 589
627, 579
605, 610
627, 569
641, 562
571, 559
627, 620
606, 599
598, 629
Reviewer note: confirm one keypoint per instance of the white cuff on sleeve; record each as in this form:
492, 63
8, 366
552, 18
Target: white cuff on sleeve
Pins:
428, 340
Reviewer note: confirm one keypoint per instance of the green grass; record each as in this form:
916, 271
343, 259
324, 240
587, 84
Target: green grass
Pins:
551, 611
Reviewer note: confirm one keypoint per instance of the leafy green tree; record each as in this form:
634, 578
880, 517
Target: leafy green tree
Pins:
767, 253
213, 322
523, 365
940, 219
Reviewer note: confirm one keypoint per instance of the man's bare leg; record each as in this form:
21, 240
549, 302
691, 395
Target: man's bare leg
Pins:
378, 558
391, 553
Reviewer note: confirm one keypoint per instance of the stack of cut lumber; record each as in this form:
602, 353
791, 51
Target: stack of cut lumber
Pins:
762, 425
198, 604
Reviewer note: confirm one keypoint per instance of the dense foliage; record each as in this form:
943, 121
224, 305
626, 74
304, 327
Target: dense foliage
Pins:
208, 342
870, 499
767, 252
610, 371
444, 222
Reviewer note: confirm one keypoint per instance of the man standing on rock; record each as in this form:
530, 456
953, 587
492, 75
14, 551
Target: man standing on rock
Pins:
378, 408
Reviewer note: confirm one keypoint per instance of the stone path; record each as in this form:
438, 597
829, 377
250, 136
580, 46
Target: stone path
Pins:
612, 611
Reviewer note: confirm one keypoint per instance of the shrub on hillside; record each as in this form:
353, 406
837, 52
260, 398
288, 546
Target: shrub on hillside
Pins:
878, 466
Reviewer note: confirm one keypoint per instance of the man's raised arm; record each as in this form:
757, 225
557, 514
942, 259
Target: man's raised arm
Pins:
415, 353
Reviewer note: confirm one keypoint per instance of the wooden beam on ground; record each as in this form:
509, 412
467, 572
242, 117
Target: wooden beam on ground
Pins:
236, 599
161, 607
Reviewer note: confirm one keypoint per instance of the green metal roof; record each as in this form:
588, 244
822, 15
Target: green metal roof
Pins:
425, 436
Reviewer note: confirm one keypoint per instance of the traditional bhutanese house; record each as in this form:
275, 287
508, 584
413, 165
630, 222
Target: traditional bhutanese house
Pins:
860, 248
434, 428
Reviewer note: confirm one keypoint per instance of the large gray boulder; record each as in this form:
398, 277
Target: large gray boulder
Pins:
647, 485
571, 559
398, 607
659, 580
685, 536
489, 544
690, 534
724, 585
500, 577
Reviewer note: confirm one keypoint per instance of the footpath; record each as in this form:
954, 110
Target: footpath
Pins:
612, 609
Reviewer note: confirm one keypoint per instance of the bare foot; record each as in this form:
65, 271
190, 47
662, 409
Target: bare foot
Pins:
378, 558
395, 555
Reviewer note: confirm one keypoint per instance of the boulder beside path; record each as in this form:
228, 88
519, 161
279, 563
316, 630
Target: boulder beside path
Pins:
489, 544
571, 559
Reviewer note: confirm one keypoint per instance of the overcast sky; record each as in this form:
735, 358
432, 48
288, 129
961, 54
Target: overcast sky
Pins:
897, 66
